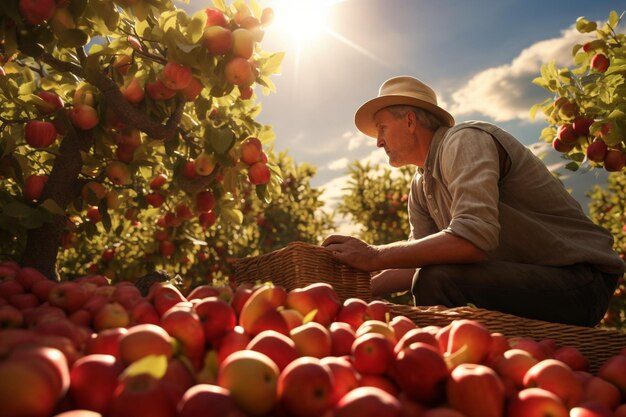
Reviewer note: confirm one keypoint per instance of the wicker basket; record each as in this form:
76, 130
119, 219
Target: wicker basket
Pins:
596, 344
299, 264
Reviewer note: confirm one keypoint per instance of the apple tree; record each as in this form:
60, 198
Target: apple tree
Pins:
376, 201
201, 251
127, 104
608, 209
587, 115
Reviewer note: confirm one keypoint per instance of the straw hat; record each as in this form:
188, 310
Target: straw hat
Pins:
399, 91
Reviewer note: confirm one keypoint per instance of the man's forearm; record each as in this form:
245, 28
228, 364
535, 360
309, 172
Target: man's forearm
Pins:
439, 248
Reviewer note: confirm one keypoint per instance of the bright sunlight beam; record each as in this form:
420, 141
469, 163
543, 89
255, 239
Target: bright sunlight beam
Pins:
302, 21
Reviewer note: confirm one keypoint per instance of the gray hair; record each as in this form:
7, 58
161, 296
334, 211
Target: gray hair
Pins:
427, 119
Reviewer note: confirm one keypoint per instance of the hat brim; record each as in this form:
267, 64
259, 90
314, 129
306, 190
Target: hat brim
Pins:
364, 116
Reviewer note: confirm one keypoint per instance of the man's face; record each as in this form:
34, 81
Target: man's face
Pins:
395, 137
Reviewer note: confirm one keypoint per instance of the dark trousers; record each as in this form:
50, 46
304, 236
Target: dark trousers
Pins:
577, 294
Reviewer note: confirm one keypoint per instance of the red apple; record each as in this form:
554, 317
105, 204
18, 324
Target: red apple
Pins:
158, 181
556, 377
40, 134
476, 391
613, 370
68, 295
205, 201
305, 388
581, 125
472, 337
176, 76
421, 372
238, 71
401, 325
372, 353
157, 91
164, 296
243, 43
193, 90
106, 342
232, 341
566, 134
204, 400
572, 357
416, 335
600, 63
614, 160
52, 102
36, 12
596, 151
143, 340
133, 92
215, 17
251, 149
598, 390
536, 402
345, 377
93, 381
278, 347
185, 326
560, 146
368, 402
312, 339
354, 311
511, 366
218, 40
84, 116
259, 173
28, 276
342, 337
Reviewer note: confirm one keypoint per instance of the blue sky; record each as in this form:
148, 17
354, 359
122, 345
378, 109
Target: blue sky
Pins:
479, 56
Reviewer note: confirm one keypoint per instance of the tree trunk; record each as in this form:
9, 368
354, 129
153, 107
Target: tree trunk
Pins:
42, 244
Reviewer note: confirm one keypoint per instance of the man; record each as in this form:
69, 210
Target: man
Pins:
490, 225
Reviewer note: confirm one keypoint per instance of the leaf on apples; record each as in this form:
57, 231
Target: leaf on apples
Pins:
309, 316
155, 365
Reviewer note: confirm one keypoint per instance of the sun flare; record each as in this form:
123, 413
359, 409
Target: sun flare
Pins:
302, 20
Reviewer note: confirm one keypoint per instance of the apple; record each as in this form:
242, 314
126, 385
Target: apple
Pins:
251, 150
566, 134
207, 219
144, 312
63, 327
278, 347
105, 342
164, 296
84, 116
40, 134
536, 402
572, 357
218, 40
205, 201
37, 372
176, 76
155, 199
416, 335
368, 402
401, 325
133, 92
215, 17
158, 181
243, 43
596, 151
354, 311
511, 366
232, 341
441, 412
377, 326
118, 173
143, 340
600, 391
93, 380
305, 388
33, 186
141, 394
559, 146
613, 370
565, 107
122, 63
476, 391
312, 339
157, 91
68, 295
600, 63
472, 337
204, 164
52, 102
259, 173
342, 337
239, 71
205, 400
529, 345
379, 310
267, 16
614, 160
36, 12
24, 301
556, 377
345, 377
10, 317
581, 125
319, 296
264, 302
383, 381
251, 377
185, 326
372, 353
620, 411
421, 372
78, 413
9, 288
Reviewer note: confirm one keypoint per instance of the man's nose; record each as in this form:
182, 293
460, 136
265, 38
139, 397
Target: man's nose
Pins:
379, 142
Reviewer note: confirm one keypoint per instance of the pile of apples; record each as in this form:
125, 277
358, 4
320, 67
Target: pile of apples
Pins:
89, 348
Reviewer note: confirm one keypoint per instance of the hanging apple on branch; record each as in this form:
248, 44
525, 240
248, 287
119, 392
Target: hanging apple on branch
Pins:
587, 115
130, 106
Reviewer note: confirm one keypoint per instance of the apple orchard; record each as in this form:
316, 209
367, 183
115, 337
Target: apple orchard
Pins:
128, 143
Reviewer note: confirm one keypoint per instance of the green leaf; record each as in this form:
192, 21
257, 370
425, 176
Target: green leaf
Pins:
613, 19
195, 29
155, 365
18, 210
572, 166
52, 207
309, 316
221, 140
220, 4
232, 215
272, 65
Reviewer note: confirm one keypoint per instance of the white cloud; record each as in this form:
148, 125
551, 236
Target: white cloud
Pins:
505, 92
358, 140
338, 164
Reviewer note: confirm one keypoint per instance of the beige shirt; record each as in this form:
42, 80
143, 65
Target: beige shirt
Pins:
524, 215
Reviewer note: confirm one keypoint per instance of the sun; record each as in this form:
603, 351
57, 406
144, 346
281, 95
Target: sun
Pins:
302, 21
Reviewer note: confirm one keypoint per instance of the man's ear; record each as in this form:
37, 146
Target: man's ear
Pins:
411, 120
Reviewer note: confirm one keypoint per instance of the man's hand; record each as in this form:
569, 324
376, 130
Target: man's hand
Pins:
352, 251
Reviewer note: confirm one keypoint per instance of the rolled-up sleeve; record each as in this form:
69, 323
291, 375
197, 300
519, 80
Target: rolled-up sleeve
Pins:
470, 172
422, 224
